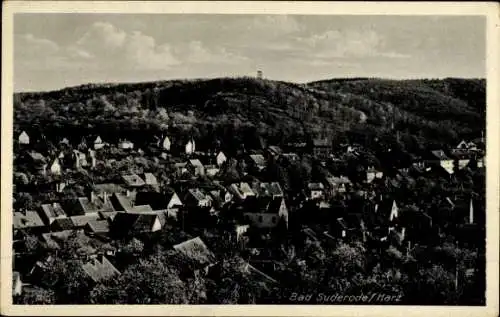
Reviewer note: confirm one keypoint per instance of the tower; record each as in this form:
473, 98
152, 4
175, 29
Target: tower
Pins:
259, 74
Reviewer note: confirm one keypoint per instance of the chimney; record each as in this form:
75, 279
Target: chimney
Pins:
105, 197
471, 212
92, 196
403, 231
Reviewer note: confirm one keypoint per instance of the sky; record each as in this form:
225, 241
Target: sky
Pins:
53, 51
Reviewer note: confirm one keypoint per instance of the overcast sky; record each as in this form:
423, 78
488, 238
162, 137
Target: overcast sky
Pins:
52, 51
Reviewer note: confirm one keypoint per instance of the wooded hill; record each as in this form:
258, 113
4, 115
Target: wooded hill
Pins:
414, 114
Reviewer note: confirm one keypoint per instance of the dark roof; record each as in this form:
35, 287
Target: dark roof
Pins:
258, 159
81, 221
321, 143
133, 180
87, 206
134, 222
440, 155
61, 224
108, 188
98, 226
121, 202
196, 250
150, 179
29, 219
53, 210
99, 269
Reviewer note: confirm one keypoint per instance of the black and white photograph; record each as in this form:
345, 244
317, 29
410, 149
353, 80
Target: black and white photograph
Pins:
232, 159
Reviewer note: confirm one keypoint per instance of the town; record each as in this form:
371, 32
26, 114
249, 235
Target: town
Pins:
265, 215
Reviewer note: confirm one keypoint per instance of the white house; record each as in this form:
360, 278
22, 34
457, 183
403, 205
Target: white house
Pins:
126, 145
268, 216
55, 167
316, 190
24, 138
173, 201
220, 158
444, 161
394, 211
98, 144
190, 147
165, 143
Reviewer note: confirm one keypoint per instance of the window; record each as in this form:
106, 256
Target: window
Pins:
260, 218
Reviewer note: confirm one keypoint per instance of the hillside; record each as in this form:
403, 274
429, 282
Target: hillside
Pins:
426, 113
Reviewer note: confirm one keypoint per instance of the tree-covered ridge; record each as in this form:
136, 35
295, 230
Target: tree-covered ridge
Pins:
434, 112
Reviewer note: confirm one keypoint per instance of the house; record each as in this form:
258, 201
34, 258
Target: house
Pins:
105, 190
274, 151
99, 227
126, 145
24, 138
80, 222
220, 158
27, 220
257, 162
290, 158
181, 168
338, 185
211, 170
79, 159
150, 180
195, 167
55, 167
462, 158
272, 189
125, 203
372, 173
173, 200
36, 159
462, 145
321, 147
98, 143
61, 224
439, 157
51, 212
165, 143
389, 211
197, 253
99, 269
190, 147
196, 198
315, 190
129, 223
241, 190
265, 213
17, 284
133, 181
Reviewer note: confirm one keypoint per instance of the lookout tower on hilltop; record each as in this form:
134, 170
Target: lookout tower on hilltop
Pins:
259, 74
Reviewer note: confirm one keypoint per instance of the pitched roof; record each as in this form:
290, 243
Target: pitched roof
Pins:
197, 194
61, 224
121, 202
196, 250
321, 143
99, 269
315, 186
35, 156
80, 221
29, 219
440, 154
133, 180
258, 159
87, 206
109, 188
127, 222
333, 180
271, 189
141, 208
150, 179
52, 238
245, 188
98, 226
196, 163
53, 210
